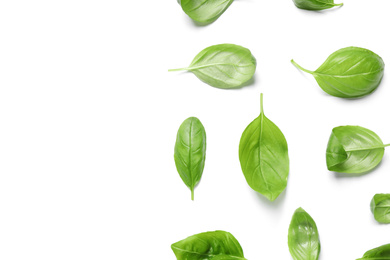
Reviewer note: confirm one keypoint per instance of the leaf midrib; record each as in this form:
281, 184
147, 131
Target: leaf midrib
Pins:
364, 149
375, 258
383, 207
346, 76
216, 64
331, 4
197, 253
260, 137
189, 157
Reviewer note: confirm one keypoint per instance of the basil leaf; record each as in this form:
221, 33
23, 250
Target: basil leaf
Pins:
216, 245
315, 4
264, 156
380, 207
190, 152
303, 238
223, 66
205, 11
379, 253
350, 72
353, 149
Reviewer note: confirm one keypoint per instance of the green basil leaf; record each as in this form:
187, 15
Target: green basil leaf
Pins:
216, 245
350, 72
315, 4
264, 156
379, 253
205, 11
353, 149
190, 152
303, 238
223, 66
380, 207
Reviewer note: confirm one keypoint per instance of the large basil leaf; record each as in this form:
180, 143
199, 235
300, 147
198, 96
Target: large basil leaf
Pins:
190, 152
264, 156
380, 207
205, 11
350, 72
303, 238
353, 149
379, 253
315, 4
216, 245
223, 66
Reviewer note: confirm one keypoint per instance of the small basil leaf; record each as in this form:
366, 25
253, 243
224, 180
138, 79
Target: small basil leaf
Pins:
379, 253
380, 207
264, 156
205, 11
353, 149
215, 245
223, 66
350, 72
190, 152
315, 4
303, 238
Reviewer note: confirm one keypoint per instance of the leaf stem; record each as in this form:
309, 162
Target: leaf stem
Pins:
299, 67
261, 103
385, 145
192, 193
339, 4
177, 69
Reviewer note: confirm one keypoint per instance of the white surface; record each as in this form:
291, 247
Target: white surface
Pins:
89, 114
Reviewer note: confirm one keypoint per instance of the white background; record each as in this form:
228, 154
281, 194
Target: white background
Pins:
89, 115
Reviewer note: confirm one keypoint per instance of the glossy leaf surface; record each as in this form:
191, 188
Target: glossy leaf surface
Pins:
315, 5
205, 11
264, 156
216, 245
190, 152
303, 238
350, 72
353, 149
223, 66
379, 253
380, 207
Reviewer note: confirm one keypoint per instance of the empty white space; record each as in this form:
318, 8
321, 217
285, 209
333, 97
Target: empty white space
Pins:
89, 115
